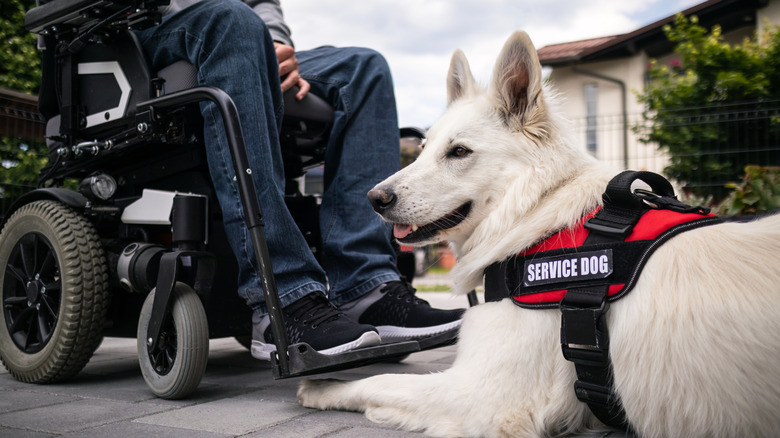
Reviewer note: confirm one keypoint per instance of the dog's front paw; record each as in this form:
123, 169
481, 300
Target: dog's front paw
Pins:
320, 394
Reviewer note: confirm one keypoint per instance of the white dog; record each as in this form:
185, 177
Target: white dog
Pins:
695, 347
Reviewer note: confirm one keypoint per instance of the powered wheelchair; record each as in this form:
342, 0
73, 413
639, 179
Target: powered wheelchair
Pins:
114, 243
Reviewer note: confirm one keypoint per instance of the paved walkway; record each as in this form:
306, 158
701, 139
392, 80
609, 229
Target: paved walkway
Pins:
237, 397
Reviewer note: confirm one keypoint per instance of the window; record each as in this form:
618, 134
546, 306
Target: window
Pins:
591, 122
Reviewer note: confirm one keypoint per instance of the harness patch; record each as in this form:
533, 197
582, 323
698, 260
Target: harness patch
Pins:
587, 265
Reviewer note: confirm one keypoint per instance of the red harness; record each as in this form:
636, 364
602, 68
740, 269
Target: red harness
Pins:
544, 272
581, 270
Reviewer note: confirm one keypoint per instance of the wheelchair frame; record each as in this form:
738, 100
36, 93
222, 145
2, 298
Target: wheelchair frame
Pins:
78, 26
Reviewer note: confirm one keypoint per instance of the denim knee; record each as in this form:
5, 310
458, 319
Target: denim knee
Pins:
234, 20
371, 64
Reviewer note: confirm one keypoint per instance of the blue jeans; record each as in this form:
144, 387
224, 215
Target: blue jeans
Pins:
231, 49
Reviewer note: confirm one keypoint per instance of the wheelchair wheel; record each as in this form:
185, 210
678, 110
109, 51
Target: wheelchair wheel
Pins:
173, 369
55, 292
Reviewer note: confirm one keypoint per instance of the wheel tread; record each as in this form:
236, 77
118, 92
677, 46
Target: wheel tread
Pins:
84, 274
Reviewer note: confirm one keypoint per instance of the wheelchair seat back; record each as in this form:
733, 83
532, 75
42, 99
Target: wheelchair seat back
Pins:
102, 76
105, 116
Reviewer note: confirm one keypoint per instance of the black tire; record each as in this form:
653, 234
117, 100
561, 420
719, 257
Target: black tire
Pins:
174, 369
55, 292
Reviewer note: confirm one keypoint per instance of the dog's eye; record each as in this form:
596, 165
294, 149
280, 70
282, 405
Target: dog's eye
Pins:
459, 151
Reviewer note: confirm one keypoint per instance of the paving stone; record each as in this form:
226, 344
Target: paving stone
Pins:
363, 432
77, 415
11, 401
11, 384
280, 390
331, 424
300, 428
128, 387
313, 425
20, 433
342, 418
134, 429
235, 416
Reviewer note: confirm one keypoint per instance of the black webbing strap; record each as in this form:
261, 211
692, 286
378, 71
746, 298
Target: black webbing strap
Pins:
584, 333
495, 281
585, 342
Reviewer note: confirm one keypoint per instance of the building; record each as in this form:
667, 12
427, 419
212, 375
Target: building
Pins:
598, 77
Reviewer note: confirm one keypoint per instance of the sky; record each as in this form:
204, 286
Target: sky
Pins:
418, 37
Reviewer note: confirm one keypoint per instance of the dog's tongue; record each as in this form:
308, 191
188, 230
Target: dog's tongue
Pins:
401, 230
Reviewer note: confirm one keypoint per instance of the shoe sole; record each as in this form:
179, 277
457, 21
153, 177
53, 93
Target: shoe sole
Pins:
391, 333
262, 351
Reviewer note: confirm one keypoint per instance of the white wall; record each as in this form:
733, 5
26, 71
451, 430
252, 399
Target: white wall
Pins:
570, 83
632, 71
769, 15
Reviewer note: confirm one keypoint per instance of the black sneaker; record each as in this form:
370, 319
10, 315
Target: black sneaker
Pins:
399, 315
313, 320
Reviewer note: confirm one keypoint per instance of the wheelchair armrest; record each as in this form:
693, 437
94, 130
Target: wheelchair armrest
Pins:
181, 75
412, 132
311, 108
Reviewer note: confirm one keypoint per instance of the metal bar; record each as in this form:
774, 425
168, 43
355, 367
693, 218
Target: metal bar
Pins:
252, 213
166, 279
472, 296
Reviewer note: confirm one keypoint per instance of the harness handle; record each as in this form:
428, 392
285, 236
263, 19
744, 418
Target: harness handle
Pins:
623, 207
661, 195
619, 194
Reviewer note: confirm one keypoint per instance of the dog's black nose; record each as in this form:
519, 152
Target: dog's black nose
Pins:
381, 199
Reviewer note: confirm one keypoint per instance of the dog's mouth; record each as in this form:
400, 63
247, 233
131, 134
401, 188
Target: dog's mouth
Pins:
408, 233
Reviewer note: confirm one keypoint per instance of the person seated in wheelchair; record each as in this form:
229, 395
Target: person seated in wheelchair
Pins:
355, 296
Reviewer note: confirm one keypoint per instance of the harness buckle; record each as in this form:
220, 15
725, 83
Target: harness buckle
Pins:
669, 203
585, 354
590, 393
619, 231
584, 335
604, 404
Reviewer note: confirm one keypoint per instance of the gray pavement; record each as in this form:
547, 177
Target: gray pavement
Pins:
237, 397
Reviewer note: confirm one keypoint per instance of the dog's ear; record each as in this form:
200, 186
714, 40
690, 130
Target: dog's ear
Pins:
517, 79
460, 81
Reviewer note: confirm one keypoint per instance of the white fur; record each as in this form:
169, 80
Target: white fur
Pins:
695, 346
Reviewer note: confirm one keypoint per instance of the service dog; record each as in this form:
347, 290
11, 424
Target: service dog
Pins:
695, 347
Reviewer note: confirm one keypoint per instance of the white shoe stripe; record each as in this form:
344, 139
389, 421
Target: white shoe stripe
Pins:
391, 333
261, 350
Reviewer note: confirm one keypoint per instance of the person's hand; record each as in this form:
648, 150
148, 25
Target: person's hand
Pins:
288, 70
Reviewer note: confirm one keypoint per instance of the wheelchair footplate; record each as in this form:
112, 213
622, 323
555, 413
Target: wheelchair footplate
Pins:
304, 360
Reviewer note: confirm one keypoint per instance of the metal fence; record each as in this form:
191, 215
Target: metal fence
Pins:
19, 116
20, 124
733, 134
717, 142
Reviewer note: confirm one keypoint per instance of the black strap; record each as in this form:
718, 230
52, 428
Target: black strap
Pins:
585, 342
584, 333
495, 281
